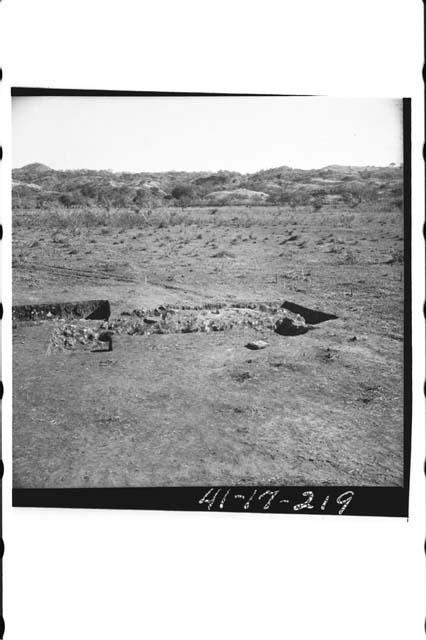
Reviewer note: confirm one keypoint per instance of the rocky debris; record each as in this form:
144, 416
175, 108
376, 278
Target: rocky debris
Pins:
165, 319
291, 325
257, 344
80, 335
270, 307
192, 319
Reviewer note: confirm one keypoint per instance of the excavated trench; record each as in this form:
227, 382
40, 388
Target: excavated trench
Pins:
86, 310
76, 326
311, 316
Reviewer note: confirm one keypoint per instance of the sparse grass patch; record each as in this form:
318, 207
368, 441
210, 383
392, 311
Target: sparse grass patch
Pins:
77, 218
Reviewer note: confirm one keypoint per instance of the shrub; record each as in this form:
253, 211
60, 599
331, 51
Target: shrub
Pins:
349, 257
299, 199
317, 203
183, 193
352, 200
71, 199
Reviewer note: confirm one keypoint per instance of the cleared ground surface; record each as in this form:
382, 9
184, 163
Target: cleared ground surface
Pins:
190, 409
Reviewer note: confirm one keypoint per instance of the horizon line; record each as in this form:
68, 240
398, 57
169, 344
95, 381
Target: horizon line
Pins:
355, 166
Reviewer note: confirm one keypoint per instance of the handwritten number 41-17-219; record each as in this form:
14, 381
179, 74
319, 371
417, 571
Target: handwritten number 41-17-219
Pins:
265, 499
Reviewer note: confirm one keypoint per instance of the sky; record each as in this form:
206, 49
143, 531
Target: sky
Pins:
204, 133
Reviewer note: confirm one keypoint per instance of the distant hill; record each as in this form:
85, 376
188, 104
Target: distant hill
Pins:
37, 185
34, 169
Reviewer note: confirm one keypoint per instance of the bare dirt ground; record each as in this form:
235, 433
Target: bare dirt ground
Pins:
325, 407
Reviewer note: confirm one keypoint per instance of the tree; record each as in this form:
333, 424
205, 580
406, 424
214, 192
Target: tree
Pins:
71, 199
183, 193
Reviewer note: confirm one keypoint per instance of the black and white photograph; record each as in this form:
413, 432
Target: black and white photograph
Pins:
212, 341
207, 291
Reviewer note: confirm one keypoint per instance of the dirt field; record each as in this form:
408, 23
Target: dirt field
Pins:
325, 407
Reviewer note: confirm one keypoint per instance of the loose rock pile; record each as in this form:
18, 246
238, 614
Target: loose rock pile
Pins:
167, 319
77, 335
